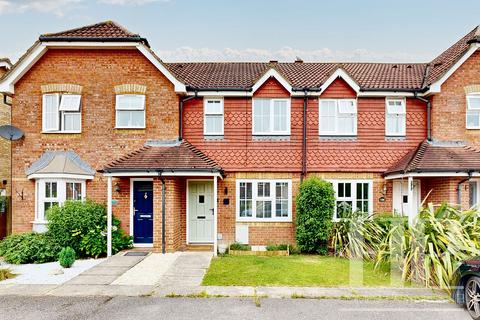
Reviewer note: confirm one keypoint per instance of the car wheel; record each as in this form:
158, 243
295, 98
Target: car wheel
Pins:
472, 297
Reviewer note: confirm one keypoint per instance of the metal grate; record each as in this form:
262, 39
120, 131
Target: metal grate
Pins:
136, 254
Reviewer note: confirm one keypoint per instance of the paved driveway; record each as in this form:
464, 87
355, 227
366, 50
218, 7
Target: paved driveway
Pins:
145, 308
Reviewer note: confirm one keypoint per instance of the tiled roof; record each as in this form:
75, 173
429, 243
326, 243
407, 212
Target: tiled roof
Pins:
441, 64
164, 156
243, 75
438, 157
107, 30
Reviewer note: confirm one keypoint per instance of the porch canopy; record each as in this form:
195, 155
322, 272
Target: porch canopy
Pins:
436, 159
163, 159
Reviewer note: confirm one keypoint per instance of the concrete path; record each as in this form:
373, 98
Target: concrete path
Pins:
185, 275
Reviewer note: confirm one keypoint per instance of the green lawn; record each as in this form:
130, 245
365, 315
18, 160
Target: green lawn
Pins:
296, 270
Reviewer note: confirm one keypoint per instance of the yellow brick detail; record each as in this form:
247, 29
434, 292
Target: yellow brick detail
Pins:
130, 89
62, 87
472, 88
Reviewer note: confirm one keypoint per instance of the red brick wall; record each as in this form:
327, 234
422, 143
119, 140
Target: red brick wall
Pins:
98, 71
445, 190
369, 151
449, 107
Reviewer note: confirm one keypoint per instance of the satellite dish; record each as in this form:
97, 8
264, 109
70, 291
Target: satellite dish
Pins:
10, 132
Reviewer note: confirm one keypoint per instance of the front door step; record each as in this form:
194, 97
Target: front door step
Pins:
199, 247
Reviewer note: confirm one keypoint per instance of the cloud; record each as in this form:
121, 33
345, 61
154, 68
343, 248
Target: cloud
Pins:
129, 2
287, 54
57, 7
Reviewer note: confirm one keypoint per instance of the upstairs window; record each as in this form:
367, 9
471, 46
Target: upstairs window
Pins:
264, 200
271, 117
338, 117
213, 117
395, 117
130, 111
473, 111
61, 113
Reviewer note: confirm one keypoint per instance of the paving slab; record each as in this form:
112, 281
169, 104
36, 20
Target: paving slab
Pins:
306, 292
178, 290
92, 279
229, 291
101, 270
411, 292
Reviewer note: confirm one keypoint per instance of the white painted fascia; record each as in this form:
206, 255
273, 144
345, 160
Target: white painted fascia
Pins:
430, 174
298, 94
269, 74
8, 84
340, 73
163, 174
374, 94
437, 85
59, 176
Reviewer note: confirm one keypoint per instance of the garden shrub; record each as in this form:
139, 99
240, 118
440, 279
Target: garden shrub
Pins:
66, 257
29, 248
387, 222
83, 227
6, 273
240, 247
315, 207
277, 247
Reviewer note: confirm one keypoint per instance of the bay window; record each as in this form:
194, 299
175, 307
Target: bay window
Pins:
61, 113
337, 117
130, 111
352, 196
271, 117
473, 111
264, 200
213, 117
395, 117
54, 192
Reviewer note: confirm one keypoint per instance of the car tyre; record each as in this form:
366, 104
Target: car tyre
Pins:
472, 297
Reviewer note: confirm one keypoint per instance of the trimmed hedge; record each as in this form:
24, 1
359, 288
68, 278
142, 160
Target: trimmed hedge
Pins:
315, 208
29, 248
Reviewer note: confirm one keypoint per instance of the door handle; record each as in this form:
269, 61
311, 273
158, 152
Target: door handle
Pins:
201, 217
213, 211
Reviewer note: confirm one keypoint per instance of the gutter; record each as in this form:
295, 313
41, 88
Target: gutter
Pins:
180, 117
164, 206
304, 138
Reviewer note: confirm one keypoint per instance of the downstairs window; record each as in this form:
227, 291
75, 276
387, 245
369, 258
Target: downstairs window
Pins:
352, 196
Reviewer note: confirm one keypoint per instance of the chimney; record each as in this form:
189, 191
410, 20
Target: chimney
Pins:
298, 60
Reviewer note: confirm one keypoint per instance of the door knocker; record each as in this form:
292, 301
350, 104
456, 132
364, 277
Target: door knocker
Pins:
145, 196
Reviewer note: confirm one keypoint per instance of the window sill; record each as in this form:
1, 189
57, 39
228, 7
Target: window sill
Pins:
212, 137
271, 138
61, 132
395, 138
337, 138
130, 128
276, 220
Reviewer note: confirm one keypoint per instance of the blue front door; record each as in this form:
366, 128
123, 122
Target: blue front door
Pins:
142, 212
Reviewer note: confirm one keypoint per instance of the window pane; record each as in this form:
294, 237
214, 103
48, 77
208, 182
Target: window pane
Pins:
395, 107
343, 208
328, 115
263, 189
346, 123
264, 209
213, 107
472, 192
261, 115
70, 102
213, 124
341, 192
131, 119
51, 115
473, 119
280, 116
347, 106
474, 102
130, 102
70, 192
348, 189
245, 199
71, 121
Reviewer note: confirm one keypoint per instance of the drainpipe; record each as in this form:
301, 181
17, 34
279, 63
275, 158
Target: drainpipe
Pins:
429, 115
459, 188
304, 140
180, 117
164, 205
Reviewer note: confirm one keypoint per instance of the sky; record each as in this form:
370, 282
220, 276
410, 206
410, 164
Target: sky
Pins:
261, 30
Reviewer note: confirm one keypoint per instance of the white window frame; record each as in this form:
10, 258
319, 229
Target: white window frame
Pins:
272, 198
61, 194
477, 193
353, 196
402, 115
471, 110
61, 113
117, 109
272, 132
336, 131
205, 115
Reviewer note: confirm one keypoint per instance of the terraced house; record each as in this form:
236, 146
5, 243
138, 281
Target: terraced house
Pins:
192, 154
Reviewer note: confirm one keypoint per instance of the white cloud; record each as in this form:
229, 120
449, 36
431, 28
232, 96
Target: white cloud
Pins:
287, 54
129, 2
57, 7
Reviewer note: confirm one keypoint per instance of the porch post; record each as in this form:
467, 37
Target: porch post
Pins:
109, 217
215, 220
410, 204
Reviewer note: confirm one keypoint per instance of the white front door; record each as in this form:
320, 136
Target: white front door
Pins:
200, 212
400, 197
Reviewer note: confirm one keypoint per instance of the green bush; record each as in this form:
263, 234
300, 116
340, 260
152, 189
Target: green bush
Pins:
240, 247
83, 227
315, 207
387, 222
29, 248
277, 247
6, 274
66, 257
